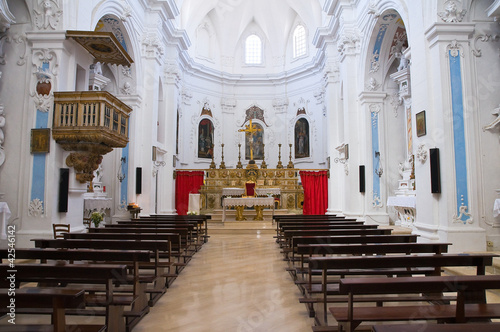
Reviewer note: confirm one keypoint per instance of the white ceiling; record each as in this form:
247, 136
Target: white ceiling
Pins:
231, 19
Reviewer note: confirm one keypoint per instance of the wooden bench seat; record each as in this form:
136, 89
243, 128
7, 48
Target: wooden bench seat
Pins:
467, 306
429, 327
387, 266
56, 300
109, 275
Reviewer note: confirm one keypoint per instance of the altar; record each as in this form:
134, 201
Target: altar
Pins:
281, 184
259, 203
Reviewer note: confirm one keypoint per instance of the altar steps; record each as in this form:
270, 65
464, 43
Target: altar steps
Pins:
249, 226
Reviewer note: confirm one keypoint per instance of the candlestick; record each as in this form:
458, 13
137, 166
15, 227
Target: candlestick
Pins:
290, 163
280, 164
263, 165
212, 164
222, 163
239, 165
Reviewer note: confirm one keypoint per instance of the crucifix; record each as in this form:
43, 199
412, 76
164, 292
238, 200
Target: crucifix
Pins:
250, 130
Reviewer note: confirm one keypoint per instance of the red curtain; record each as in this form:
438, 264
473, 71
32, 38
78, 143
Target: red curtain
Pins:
315, 185
187, 182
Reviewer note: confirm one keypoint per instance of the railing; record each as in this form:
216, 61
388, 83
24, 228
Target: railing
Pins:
86, 119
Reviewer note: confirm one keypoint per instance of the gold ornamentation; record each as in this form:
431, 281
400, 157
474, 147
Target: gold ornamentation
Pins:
84, 164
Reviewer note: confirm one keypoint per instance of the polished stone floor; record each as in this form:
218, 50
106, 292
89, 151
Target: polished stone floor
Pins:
235, 283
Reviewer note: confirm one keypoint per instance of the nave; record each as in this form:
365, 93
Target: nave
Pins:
236, 282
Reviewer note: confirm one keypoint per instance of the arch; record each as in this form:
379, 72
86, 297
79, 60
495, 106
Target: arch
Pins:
204, 42
205, 138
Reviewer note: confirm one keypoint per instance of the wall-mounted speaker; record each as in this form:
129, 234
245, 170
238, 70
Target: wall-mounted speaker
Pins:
362, 178
63, 190
435, 172
138, 180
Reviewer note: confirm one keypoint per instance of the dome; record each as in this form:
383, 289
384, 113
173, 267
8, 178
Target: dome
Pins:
218, 30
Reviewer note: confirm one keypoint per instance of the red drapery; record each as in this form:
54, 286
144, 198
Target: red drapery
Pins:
315, 185
187, 182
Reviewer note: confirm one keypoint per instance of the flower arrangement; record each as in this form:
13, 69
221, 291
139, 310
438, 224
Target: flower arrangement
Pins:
96, 218
192, 213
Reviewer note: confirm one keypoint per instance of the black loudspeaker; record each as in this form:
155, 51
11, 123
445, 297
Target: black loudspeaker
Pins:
361, 178
138, 180
63, 189
435, 173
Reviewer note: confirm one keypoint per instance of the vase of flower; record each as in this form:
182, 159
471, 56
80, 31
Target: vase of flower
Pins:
96, 218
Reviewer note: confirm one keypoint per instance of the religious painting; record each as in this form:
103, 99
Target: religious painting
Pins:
40, 140
255, 142
421, 127
205, 139
302, 139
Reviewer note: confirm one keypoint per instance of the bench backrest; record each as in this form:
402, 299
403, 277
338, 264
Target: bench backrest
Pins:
371, 248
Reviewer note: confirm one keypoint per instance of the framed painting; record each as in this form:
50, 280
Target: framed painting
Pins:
205, 139
420, 124
302, 139
40, 140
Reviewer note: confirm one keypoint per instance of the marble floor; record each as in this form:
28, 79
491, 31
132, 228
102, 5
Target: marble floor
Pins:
234, 283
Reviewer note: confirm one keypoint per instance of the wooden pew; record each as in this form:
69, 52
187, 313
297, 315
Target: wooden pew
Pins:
388, 266
134, 258
307, 251
348, 318
429, 327
58, 299
289, 235
103, 274
179, 237
201, 219
155, 243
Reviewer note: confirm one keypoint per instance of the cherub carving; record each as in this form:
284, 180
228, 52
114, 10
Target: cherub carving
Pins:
451, 13
49, 16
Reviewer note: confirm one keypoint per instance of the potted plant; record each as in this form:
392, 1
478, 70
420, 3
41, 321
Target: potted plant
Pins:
96, 218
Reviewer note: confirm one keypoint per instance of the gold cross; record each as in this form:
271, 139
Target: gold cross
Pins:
250, 130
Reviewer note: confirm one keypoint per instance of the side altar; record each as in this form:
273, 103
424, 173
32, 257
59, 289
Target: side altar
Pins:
291, 194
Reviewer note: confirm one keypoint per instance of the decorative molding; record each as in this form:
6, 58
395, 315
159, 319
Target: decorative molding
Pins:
126, 89
451, 13
228, 105
463, 213
152, 46
484, 38
127, 11
319, 94
348, 43
47, 14
372, 84
422, 153
374, 62
372, 9
173, 73
454, 49
496, 121
35, 208
280, 104
6, 17
377, 201
187, 95
84, 164
332, 72
395, 100
43, 79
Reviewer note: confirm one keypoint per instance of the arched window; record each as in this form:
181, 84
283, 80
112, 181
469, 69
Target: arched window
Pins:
253, 50
302, 139
299, 41
205, 139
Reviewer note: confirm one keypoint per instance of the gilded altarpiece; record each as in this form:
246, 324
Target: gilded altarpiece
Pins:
291, 198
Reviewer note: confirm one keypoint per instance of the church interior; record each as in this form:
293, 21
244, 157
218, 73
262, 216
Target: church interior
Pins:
380, 112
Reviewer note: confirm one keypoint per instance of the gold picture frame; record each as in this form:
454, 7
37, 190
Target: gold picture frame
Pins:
40, 140
420, 124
